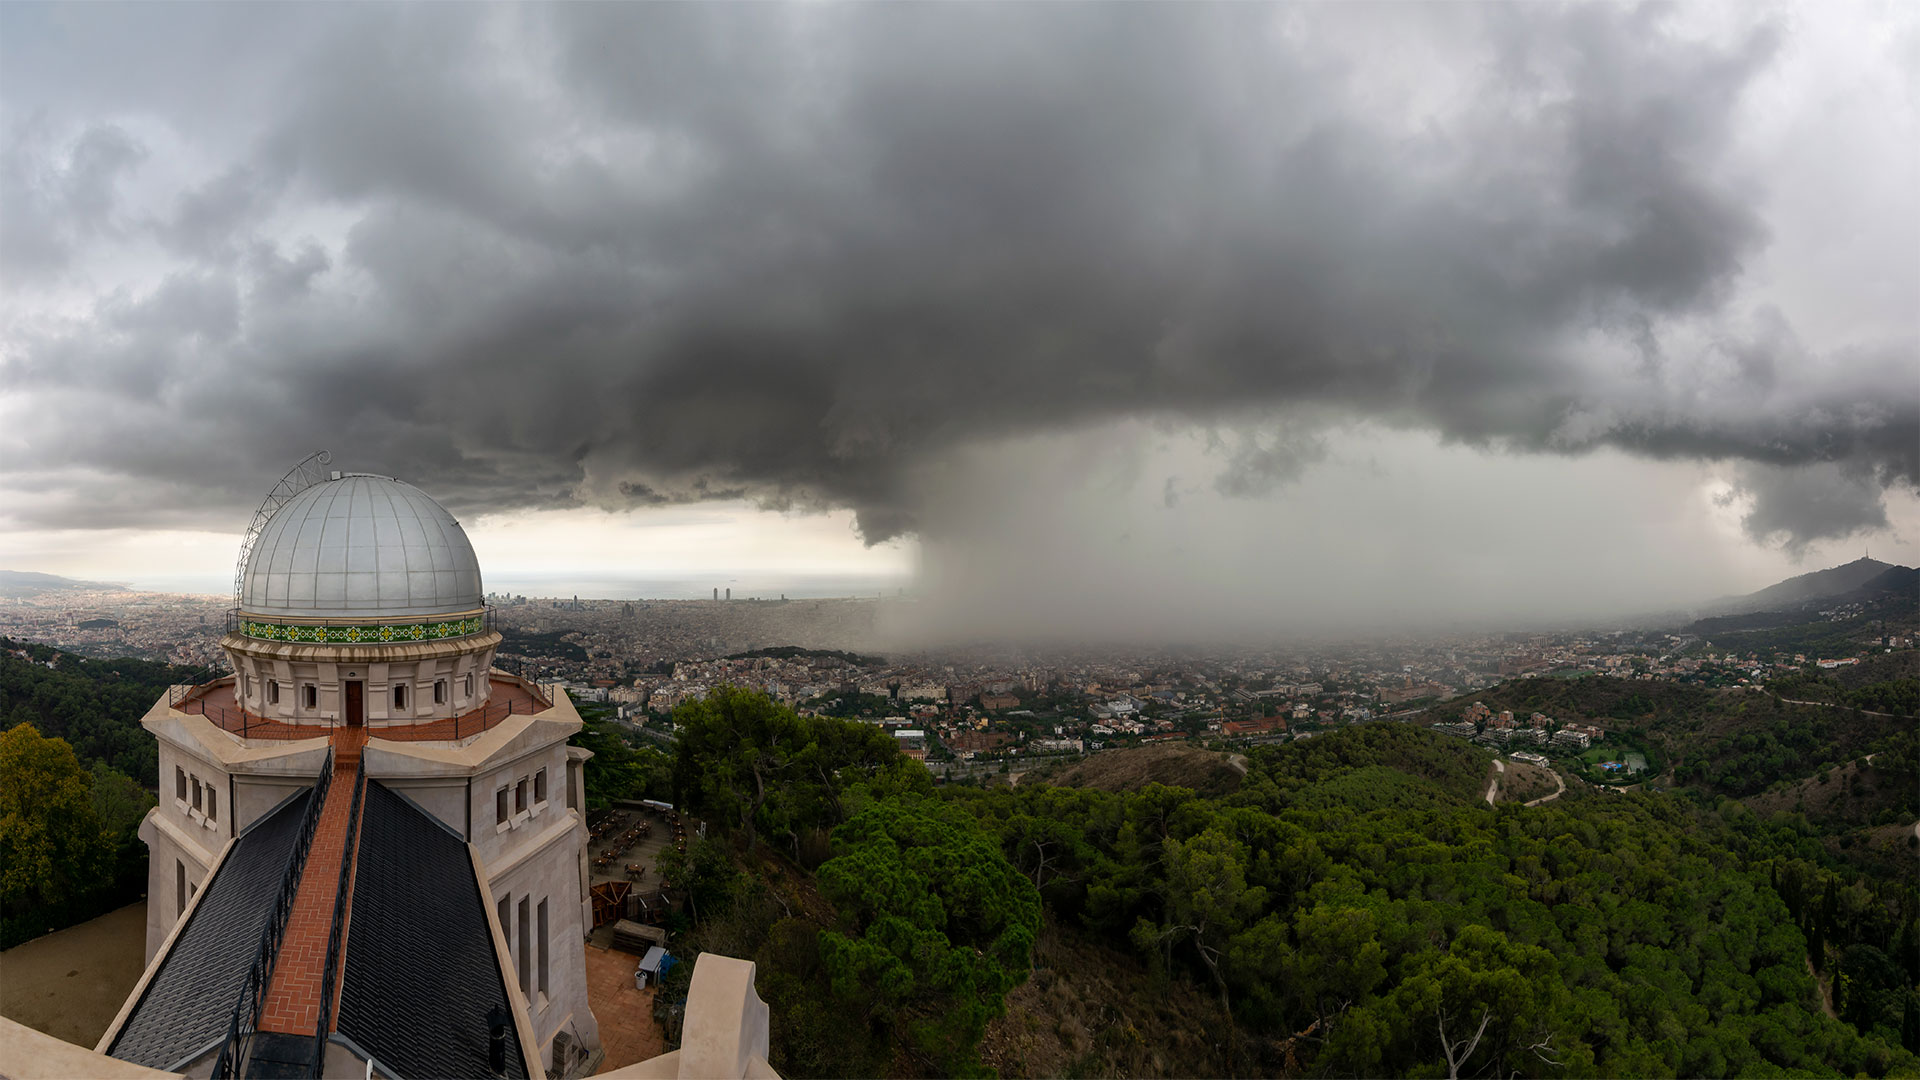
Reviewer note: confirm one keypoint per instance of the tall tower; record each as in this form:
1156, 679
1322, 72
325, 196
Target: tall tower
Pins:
366, 820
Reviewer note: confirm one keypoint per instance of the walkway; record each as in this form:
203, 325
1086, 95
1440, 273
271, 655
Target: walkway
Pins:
293, 997
1493, 782
507, 697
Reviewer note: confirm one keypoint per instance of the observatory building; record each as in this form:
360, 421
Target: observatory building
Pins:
369, 853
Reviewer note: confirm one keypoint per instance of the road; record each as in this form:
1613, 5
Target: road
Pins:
1493, 784
1562, 790
1837, 705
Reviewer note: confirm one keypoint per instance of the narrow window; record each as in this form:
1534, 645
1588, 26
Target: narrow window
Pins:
313, 696
213, 804
500, 807
439, 691
180, 783
520, 796
506, 919
526, 953
191, 889
196, 793
273, 693
179, 888
540, 786
543, 946
400, 696
466, 689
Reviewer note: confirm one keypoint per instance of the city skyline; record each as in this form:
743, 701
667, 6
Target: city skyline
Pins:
1244, 317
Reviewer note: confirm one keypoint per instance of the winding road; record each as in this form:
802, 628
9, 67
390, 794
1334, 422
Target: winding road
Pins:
1500, 768
1561, 790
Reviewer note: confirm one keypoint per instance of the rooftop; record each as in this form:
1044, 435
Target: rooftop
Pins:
509, 696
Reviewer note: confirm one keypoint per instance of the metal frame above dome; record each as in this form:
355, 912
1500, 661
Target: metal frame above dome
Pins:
359, 546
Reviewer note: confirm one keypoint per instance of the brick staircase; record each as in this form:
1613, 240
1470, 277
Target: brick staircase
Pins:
293, 996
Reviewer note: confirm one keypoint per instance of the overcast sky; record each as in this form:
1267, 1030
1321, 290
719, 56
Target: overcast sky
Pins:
1076, 314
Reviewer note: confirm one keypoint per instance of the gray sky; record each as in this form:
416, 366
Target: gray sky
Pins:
1093, 313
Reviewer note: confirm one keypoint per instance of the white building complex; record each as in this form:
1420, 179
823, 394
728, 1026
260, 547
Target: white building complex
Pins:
369, 853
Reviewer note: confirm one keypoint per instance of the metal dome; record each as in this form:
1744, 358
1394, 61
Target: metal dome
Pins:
361, 545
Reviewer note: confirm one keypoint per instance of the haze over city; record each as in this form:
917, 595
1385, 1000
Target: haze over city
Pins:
1060, 318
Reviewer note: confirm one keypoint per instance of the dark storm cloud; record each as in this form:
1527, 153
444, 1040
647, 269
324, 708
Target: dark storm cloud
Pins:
1801, 505
630, 255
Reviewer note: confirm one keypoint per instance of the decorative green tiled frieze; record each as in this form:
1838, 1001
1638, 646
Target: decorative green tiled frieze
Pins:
376, 634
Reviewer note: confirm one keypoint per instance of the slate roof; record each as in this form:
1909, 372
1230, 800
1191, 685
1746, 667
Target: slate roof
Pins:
420, 972
185, 1009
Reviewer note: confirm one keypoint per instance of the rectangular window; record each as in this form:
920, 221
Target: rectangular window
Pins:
439, 691
179, 888
312, 696
500, 807
540, 786
196, 793
526, 952
213, 804
543, 946
273, 693
520, 796
180, 784
466, 689
506, 919
400, 696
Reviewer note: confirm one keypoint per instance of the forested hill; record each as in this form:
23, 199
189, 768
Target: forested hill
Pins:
1353, 909
96, 705
75, 772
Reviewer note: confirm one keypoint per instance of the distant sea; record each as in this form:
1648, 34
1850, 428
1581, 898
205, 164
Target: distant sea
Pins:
605, 587
745, 586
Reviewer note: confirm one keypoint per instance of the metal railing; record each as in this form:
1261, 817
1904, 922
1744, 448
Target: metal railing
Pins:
339, 920
249, 725
237, 720
481, 719
488, 622
253, 993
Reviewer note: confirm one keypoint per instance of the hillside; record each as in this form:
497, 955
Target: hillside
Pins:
1173, 764
1795, 591
1345, 911
1732, 742
25, 584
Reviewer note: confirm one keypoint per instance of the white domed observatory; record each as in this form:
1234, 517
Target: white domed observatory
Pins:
370, 848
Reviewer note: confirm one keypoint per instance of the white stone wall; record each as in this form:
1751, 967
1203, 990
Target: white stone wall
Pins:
257, 675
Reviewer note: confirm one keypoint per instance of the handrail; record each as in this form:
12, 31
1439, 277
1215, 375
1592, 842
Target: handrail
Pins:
245, 1019
489, 620
250, 725
339, 920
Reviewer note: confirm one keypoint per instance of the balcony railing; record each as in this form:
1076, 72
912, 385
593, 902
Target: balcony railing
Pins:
253, 993
237, 720
359, 630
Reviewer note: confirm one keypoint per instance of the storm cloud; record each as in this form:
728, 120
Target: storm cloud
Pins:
633, 255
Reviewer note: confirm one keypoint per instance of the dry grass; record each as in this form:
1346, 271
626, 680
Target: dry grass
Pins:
1523, 783
1205, 771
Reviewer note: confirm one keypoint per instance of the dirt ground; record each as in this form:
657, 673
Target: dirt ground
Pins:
1524, 782
1206, 771
71, 984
